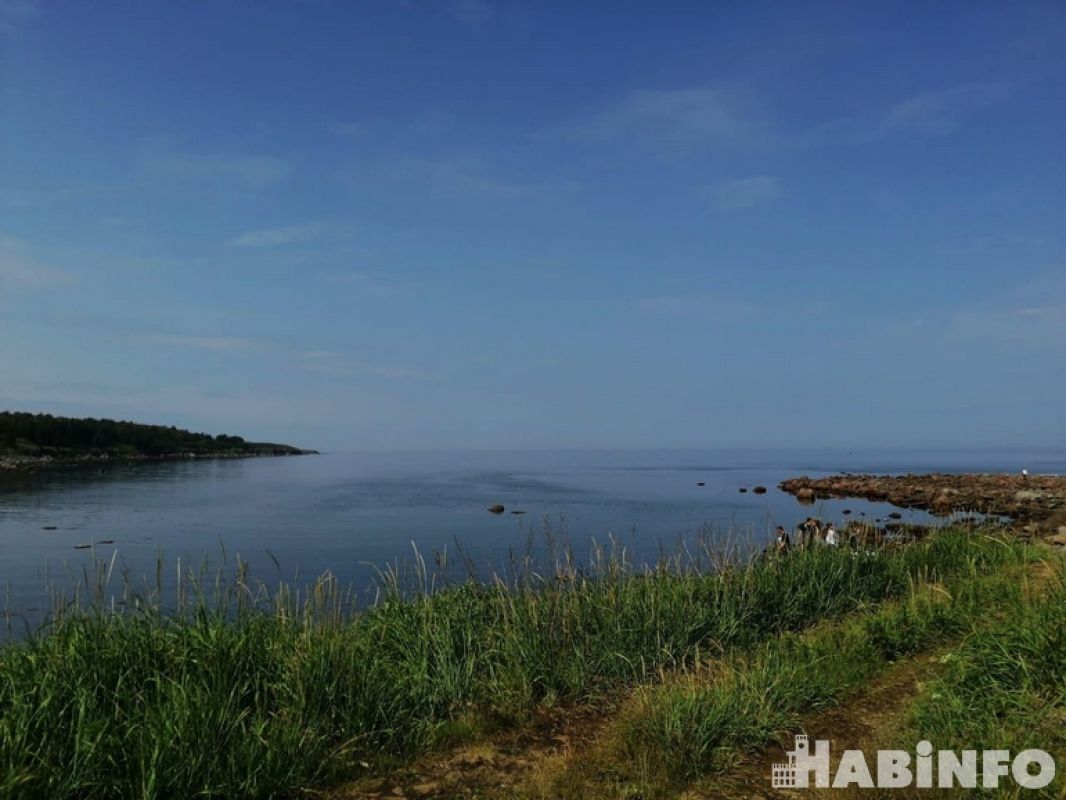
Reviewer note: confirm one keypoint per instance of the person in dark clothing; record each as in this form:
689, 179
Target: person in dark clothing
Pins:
782, 542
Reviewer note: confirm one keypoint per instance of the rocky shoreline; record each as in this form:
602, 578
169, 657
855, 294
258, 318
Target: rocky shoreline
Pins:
1035, 504
35, 463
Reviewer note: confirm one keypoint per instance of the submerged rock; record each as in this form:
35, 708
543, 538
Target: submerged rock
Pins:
496, 509
759, 490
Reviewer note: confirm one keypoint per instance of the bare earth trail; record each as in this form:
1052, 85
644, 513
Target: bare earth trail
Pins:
501, 766
865, 721
521, 763
564, 754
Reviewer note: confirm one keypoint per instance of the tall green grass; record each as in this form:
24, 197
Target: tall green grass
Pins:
242, 695
697, 724
1004, 688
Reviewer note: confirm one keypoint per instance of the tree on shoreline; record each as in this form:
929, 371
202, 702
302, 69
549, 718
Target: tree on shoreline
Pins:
27, 434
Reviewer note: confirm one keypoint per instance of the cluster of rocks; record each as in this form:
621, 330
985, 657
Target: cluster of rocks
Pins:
20, 463
1035, 503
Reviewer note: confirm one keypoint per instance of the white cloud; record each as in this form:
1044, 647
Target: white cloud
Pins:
270, 237
705, 114
222, 344
698, 304
938, 112
14, 13
745, 193
474, 13
324, 362
19, 270
944, 111
255, 170
329, 363
369, 285
452, 177
1032, 314
352, 130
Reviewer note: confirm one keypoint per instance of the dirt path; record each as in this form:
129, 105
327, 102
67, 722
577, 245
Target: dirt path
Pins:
566, 754
867, 721
529, 763
864, 721
493, 768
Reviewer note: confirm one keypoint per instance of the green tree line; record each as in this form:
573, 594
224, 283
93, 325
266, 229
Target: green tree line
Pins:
23, 433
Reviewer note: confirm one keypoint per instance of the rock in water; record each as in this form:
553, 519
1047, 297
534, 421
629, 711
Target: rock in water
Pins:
700, 483
759, 490
496, 509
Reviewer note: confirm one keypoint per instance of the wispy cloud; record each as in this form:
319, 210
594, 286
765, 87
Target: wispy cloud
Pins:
221, 344
253, 170
17, 269
453, 177
371, 285
271, 237
694, 115
351, 130
944, 111
1032, 314
462, 177
15, 13
938, 112
330, 363
473, 13
704, 305
325, 362
744, 193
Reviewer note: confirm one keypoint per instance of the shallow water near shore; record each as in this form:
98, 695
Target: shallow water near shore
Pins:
294, 518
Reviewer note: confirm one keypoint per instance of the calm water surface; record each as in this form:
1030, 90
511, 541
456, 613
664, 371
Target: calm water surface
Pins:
294, 518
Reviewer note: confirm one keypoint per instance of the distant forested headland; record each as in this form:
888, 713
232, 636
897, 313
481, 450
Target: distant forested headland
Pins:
26, 438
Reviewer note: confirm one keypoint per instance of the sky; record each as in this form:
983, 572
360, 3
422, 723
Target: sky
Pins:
475, 224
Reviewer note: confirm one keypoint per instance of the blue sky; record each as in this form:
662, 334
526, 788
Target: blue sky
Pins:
473, 224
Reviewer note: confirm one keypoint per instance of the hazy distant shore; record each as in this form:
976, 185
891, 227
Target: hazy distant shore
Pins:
29, 442
33, 463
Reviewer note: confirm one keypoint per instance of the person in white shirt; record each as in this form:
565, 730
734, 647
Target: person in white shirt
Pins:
831, 535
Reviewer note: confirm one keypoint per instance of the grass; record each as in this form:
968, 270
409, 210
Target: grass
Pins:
696, 725
241, 695
1003, 688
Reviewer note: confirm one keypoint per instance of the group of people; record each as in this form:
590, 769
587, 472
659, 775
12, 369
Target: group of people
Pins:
809, 533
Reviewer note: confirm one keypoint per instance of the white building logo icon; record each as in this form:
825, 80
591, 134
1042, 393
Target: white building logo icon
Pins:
795, 773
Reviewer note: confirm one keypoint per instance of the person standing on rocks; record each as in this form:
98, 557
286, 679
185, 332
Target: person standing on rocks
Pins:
782, 542
831, 535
